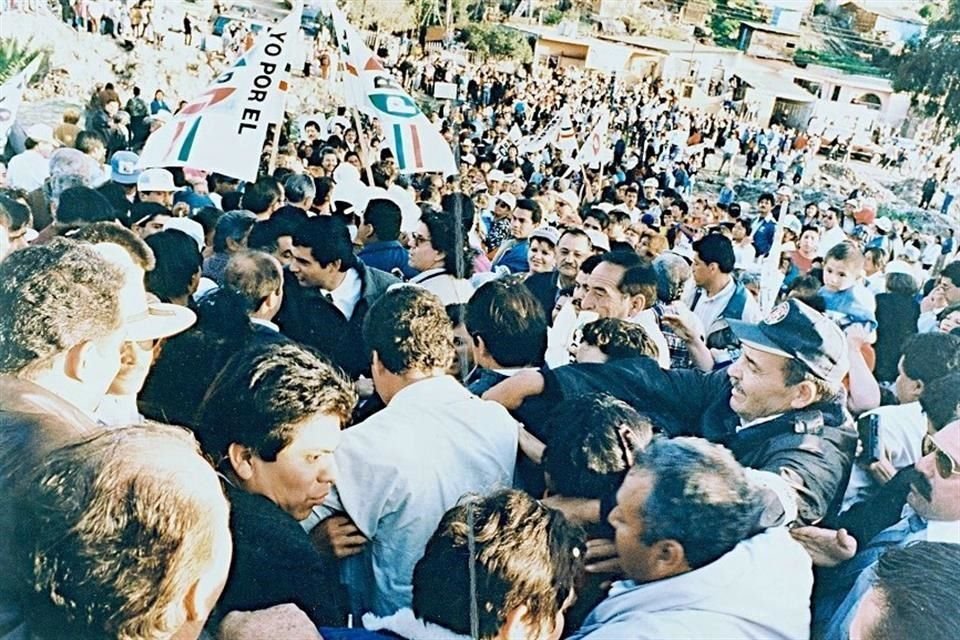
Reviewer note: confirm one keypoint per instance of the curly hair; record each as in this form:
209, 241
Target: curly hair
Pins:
114, 531
524, 555
264, 393
619, 339
409, 331
54, 297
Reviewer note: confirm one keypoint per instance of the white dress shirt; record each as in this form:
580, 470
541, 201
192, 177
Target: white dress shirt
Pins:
347, 295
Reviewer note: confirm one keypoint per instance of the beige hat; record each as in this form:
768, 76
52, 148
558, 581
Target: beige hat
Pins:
156, 180
598, 239
144, 316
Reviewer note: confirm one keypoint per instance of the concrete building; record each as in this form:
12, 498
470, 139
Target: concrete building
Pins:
889, 22
768, 41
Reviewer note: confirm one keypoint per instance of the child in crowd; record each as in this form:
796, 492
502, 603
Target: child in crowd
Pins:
848, 301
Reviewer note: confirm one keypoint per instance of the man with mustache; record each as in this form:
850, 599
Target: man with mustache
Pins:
779, 408
932, 515
573, 248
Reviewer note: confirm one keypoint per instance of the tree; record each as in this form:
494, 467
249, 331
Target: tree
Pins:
930, 69
496, 41
15, 56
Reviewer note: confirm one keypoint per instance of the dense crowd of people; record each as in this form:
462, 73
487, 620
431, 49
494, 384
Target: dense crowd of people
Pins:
530, 400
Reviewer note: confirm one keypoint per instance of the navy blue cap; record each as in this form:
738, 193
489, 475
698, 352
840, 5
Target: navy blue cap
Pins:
795, 330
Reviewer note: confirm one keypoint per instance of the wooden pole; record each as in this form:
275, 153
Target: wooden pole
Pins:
272, 164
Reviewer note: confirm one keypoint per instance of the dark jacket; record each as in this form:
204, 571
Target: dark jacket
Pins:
543, 286
33, 422
897, 315
812, 449
274, 562
387, 256
307, 317
763, 237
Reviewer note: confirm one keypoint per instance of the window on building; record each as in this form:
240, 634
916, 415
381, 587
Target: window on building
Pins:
836, 95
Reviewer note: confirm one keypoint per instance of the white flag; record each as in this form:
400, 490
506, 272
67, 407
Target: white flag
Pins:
224, 128
566, 135
594, 149
416, 143
11, 95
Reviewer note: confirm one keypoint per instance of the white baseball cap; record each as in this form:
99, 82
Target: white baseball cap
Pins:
508, 199
42, 133
156, 180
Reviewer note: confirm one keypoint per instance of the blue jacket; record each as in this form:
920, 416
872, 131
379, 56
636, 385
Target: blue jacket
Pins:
387, 255
763, 237
515, 258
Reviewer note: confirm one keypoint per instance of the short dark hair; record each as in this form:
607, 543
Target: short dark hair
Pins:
638, 278
524, 554
928, 356
87, 141
768, 197
600, 216
700, 497
619, 339
902, 283
233, 225
590, 263
409, 331
460, 206
745, 223
845, 252
716, 248
80, 205
952, 272
254, 275
590, 444
511, 322
447, 237
264, 393
536, 213
328, 239
385, 217
284, 222
14, 215
917, 586
940, 400
178, 261
261, 195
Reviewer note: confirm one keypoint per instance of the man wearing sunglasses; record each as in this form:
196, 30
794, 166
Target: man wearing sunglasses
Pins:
933, 515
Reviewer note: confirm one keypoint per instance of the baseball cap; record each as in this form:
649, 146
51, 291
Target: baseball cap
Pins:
795, 330
784, 191
123, 167
156, 180
570, 198
549, 234
598, 239
508, 199
190, 227
651, 182
792, 223
496, 176
884, 224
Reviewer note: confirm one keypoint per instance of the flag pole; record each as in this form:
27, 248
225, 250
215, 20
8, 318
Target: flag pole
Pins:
363, 146
272, 163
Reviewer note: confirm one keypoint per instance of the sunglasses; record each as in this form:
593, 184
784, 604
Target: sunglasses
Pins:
946, 465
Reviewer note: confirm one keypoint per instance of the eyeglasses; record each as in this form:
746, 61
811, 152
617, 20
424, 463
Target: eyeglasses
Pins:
419, 239
946, 465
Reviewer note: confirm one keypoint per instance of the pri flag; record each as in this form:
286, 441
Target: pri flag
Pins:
11, 95
594, 150
224, 128
566, 135
416, 143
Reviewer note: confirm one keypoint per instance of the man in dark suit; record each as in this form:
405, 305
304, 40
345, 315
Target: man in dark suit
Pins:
573, 248
326, 300
258, 278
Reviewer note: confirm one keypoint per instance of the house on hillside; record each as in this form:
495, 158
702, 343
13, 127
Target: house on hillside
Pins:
768, 41
886, 20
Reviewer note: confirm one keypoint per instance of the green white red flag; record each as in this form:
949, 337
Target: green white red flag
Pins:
416, 143
224, 128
